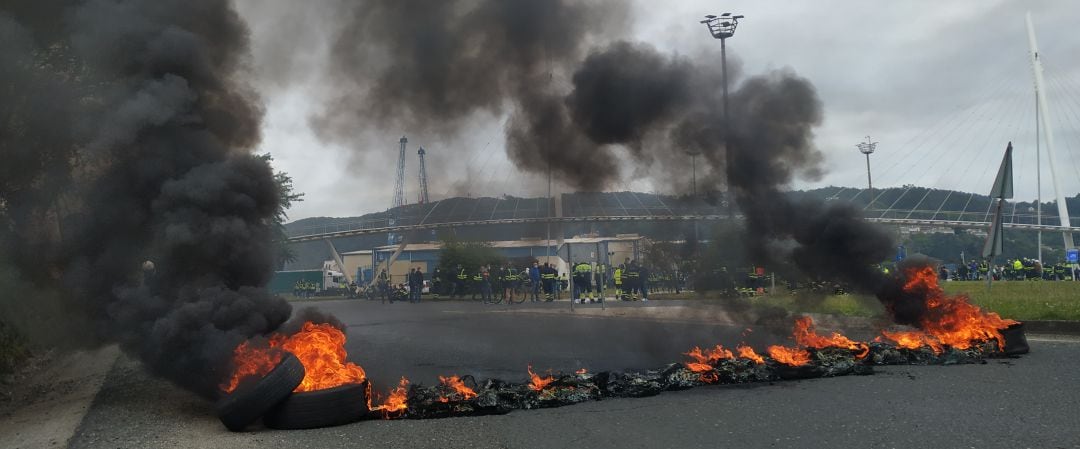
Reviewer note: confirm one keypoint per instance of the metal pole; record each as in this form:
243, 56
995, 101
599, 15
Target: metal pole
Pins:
728, 156
599, 278
569, 274
869, 181
550, 207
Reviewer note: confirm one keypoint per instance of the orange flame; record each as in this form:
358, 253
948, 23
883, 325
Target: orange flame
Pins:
320, 348
952, 320
704, 360
458, 386
806, 336
913, 340
581, 372
789, 356
250, 361
747, 352
538, 383
395, 404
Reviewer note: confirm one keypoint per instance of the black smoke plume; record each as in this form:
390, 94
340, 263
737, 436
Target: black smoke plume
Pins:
126, 127
428, 67
582, 101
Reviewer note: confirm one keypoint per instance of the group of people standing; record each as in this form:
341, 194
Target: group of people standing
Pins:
631, 280
487, 282
408, 291
543, 282
304, 289
1019, 269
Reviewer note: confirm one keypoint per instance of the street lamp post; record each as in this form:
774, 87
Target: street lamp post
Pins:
722, 28
867, 148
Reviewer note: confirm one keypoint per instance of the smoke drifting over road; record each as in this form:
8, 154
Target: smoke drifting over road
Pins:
126, 127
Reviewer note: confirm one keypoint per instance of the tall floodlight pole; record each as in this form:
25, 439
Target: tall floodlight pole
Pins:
1048, 132
399, 182
422, 196
868, 148
722, 28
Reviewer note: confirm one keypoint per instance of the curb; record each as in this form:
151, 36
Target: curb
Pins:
1056, 327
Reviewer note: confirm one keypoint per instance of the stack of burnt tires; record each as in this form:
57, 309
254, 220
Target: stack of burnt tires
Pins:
272, 399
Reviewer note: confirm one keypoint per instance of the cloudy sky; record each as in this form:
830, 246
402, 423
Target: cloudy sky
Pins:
942, 86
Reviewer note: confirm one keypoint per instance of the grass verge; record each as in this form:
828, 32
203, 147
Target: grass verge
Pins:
1020, 300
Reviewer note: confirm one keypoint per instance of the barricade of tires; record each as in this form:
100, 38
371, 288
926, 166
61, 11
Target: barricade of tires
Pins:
272, 399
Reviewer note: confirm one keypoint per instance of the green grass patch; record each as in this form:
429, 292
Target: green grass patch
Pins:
845, 305
1020, 300
1024, 300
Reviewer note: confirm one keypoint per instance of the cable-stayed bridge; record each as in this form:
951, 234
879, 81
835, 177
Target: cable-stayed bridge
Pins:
616, 207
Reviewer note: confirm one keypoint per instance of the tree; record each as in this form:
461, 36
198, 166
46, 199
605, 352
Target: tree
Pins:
470, 255
287, 196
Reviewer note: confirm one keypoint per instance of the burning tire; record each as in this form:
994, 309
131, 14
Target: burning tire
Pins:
248, 402
320, 408
1015, 340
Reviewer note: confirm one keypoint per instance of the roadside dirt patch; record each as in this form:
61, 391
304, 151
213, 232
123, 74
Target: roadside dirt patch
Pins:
42, 404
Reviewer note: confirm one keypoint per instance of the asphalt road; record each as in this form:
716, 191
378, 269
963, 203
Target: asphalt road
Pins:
1029, 402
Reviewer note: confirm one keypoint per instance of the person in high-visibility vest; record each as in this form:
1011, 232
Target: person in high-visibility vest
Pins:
633, 277
618, 277
600, 276
476, 286
510, 279
582, 282
459, 283
547, 277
